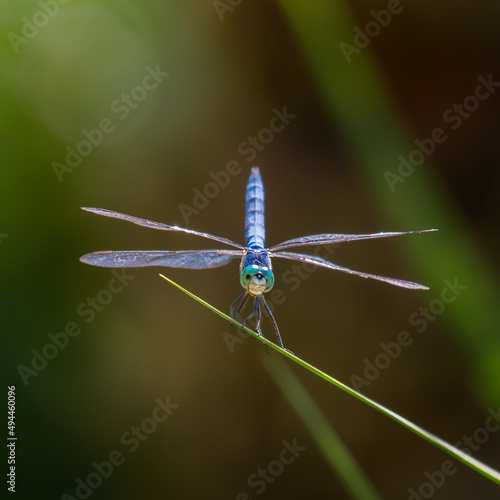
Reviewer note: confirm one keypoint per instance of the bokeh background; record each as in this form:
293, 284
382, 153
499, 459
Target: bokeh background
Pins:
66, 67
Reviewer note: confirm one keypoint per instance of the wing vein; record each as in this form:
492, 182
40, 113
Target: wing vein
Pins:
329, 238
312, 259
158, 225
187, 259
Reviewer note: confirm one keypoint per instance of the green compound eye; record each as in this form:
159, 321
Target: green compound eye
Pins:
247, 274
252, 279
268, 274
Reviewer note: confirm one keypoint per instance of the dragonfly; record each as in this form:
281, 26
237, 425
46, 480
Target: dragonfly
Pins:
256, 271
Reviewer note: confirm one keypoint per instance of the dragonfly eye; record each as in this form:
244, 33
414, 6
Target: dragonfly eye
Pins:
257, 280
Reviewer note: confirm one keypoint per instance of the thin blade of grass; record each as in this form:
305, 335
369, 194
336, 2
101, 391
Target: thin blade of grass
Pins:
360, 104
471, 462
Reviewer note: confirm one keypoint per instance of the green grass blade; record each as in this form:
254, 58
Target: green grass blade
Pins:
327, 440
478, 466
358, 100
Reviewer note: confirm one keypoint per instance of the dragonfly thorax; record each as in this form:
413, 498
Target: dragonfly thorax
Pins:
256, 275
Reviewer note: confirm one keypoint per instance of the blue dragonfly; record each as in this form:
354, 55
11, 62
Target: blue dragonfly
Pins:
256, 272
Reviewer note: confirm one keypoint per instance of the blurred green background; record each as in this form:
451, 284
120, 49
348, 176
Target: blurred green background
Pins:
75, 66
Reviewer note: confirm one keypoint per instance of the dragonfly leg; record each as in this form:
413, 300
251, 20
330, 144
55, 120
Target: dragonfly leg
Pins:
258, 315
234, 315
240, 307
276, 329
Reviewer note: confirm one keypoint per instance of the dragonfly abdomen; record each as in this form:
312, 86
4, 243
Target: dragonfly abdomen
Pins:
255, 233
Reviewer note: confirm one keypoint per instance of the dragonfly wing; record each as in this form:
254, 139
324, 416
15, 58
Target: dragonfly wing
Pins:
158, 225
318, 261
188, 259
329, 238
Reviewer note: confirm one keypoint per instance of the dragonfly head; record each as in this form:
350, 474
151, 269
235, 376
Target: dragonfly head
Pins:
256, 279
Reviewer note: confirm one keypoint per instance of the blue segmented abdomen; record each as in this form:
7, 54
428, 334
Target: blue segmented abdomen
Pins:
255, 232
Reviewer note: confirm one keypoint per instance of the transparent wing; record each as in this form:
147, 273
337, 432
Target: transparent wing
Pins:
188, 259
318, 261
158, 225
329, 238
